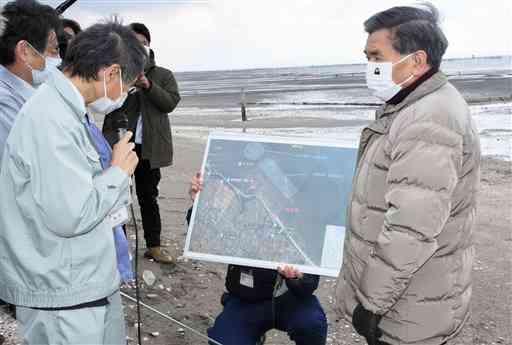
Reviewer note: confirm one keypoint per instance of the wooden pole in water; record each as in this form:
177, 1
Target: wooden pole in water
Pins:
242, 104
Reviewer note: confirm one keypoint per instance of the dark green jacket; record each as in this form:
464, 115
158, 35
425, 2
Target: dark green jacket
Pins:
154, 104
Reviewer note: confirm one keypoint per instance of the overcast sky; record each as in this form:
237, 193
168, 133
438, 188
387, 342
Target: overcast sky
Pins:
232, 34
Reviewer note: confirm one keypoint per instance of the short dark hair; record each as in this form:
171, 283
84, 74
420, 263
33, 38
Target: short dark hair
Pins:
26, 20
103, 45
412, 29
141, 29
73, 25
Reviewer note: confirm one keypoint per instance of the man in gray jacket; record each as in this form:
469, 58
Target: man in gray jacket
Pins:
406, 276
25, 29
59, 202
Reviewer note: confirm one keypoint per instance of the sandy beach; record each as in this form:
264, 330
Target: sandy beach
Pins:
190, 291
195, 287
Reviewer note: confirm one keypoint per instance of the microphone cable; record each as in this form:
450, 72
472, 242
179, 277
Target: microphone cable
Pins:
122, 128
136, 269
121, 131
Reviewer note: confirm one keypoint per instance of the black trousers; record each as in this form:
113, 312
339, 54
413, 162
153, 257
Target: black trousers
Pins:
146, 184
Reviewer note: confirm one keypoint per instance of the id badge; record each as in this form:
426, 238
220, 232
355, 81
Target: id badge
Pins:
119, 217
246, 279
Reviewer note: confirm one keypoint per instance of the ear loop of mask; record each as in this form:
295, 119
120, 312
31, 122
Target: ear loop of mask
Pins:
120, 82
38, 53
105, 82
403, 59
400, 61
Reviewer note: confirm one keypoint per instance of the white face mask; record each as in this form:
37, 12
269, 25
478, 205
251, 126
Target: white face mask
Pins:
52, 65
38, 76
53, 62
379, 79
105, 105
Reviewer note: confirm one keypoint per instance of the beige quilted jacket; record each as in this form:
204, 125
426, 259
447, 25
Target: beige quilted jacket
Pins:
409, 251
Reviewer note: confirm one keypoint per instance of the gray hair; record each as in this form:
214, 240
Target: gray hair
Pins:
412, 29
103, 45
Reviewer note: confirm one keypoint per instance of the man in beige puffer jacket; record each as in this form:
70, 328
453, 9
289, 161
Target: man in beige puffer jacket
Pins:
408, 254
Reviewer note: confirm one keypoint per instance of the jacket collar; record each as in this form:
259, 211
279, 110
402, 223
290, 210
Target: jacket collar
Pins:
427, 87
68, 93
15, 83
384, 115
151, 62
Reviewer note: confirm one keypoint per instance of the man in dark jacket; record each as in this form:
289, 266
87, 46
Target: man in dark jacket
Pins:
259, 300
147, 112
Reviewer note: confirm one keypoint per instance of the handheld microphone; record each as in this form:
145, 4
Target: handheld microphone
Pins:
120, 126
121, 132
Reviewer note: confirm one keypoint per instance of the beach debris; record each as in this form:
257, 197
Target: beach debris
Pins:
148, 277
155, 334
181, 332
182, 259
151, 295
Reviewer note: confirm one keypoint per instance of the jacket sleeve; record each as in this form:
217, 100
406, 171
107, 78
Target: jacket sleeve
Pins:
425, 157
164, 95
71, 200
8, 113
303, 287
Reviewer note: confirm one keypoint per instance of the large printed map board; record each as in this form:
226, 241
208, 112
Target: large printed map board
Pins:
268, 201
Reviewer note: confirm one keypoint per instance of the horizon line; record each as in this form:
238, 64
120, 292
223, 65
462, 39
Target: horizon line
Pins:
327, 65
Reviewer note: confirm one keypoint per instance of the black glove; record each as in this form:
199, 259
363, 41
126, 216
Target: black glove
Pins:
366, 324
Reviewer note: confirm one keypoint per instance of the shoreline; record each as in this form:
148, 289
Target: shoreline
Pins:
493, 121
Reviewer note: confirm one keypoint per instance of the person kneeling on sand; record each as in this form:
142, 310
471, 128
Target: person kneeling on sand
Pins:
259, 300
